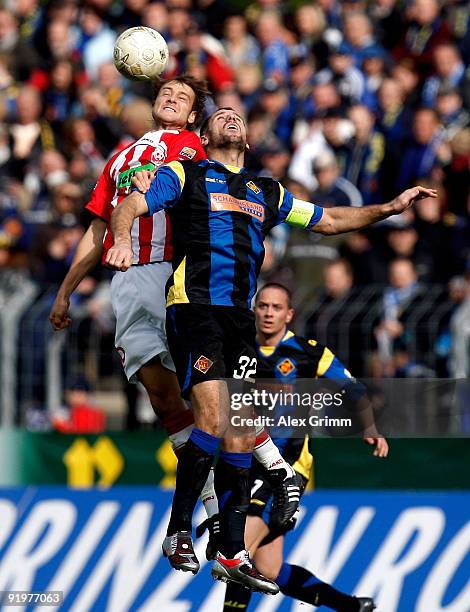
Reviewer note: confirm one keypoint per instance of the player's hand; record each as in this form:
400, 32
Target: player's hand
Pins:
381, 446
143, 179
119, 256
59, 315
410, 196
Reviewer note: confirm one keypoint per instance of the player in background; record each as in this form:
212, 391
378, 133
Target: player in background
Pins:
221, 215
284, 356
138, 297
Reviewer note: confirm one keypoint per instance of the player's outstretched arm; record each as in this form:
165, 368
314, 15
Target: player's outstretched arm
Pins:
119, 255
346, 219
86, 257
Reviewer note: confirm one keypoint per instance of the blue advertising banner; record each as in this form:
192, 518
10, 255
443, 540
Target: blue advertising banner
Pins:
103, 550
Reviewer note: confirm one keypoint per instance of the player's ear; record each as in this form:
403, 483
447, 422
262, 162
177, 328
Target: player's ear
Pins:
192, 117
204, 140
290, 315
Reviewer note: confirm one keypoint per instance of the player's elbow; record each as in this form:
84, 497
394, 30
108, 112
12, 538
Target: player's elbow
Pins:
327, 225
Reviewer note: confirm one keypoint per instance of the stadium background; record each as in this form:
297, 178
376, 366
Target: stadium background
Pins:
383, 86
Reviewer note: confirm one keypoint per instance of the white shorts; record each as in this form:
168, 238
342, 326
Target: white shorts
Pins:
138, 300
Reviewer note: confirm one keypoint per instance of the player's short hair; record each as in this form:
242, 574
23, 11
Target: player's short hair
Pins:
275, 286
200, 94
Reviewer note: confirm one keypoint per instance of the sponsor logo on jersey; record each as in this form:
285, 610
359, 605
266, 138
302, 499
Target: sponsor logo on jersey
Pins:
225, 202
188, 152
203, 364
125, 178
160, 154
253, 187
285, 366
215, 180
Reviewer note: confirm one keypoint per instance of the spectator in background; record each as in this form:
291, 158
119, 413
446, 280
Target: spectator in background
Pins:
449, 70
23, 56
96, 43
388, 21
374, 67
453, 116
29, 134
311, 25
80, 137
348, 79
420, 157
240, 47
275, 52
274, 160
359, 35
403, 289
426, 30
366, 155
276, 102
333, 189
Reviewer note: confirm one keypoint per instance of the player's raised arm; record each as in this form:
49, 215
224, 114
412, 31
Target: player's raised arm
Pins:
86, 257
164, 192
346, 219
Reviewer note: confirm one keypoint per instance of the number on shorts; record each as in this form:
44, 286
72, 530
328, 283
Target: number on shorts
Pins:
258, 484
247, 367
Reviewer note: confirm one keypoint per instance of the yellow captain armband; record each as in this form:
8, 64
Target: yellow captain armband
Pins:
301, 213
179, 171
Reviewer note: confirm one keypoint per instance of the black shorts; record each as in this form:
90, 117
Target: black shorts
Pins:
211, 343
261, 502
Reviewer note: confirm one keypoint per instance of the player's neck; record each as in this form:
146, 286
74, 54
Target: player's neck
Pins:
159, 125
228, 157
271, 339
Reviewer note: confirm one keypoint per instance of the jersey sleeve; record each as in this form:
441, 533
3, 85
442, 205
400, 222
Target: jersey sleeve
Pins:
166, 187
100, 203
297, 213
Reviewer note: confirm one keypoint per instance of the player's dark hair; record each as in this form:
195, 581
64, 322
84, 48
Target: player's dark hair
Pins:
275, 286
200, 94
205, 123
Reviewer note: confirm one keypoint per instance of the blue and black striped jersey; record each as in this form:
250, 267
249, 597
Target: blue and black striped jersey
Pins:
220, 216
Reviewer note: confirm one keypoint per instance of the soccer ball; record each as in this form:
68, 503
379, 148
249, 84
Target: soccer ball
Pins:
140, 54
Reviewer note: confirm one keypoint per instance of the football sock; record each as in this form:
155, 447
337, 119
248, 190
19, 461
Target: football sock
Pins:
301, 584
208, 496
237, 597
194, 465
233, 469
267, 453
179, 426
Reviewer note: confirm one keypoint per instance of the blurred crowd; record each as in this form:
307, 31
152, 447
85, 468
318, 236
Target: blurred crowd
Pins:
346, 102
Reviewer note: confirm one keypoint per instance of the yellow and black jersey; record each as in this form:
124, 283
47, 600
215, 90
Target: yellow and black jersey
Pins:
220, 216
294, 358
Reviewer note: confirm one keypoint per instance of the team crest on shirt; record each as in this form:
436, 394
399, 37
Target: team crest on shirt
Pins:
203, 364
253, 187
187, 152
285, 366
160, 154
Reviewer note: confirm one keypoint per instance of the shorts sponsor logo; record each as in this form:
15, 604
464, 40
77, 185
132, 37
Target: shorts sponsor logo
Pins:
253, 187
160, 153
225, 202
187, 152
203, 364
285, 366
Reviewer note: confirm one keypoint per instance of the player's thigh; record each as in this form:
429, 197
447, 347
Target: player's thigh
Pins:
195, 342
140, 332
162, 387
269, 558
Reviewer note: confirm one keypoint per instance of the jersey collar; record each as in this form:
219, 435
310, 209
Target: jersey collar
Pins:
234, 169
267, 351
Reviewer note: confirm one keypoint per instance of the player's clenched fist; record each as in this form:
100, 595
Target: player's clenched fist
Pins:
119, 256
143, 179
59, 315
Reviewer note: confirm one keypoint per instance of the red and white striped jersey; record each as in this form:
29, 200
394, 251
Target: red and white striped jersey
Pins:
151, 236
